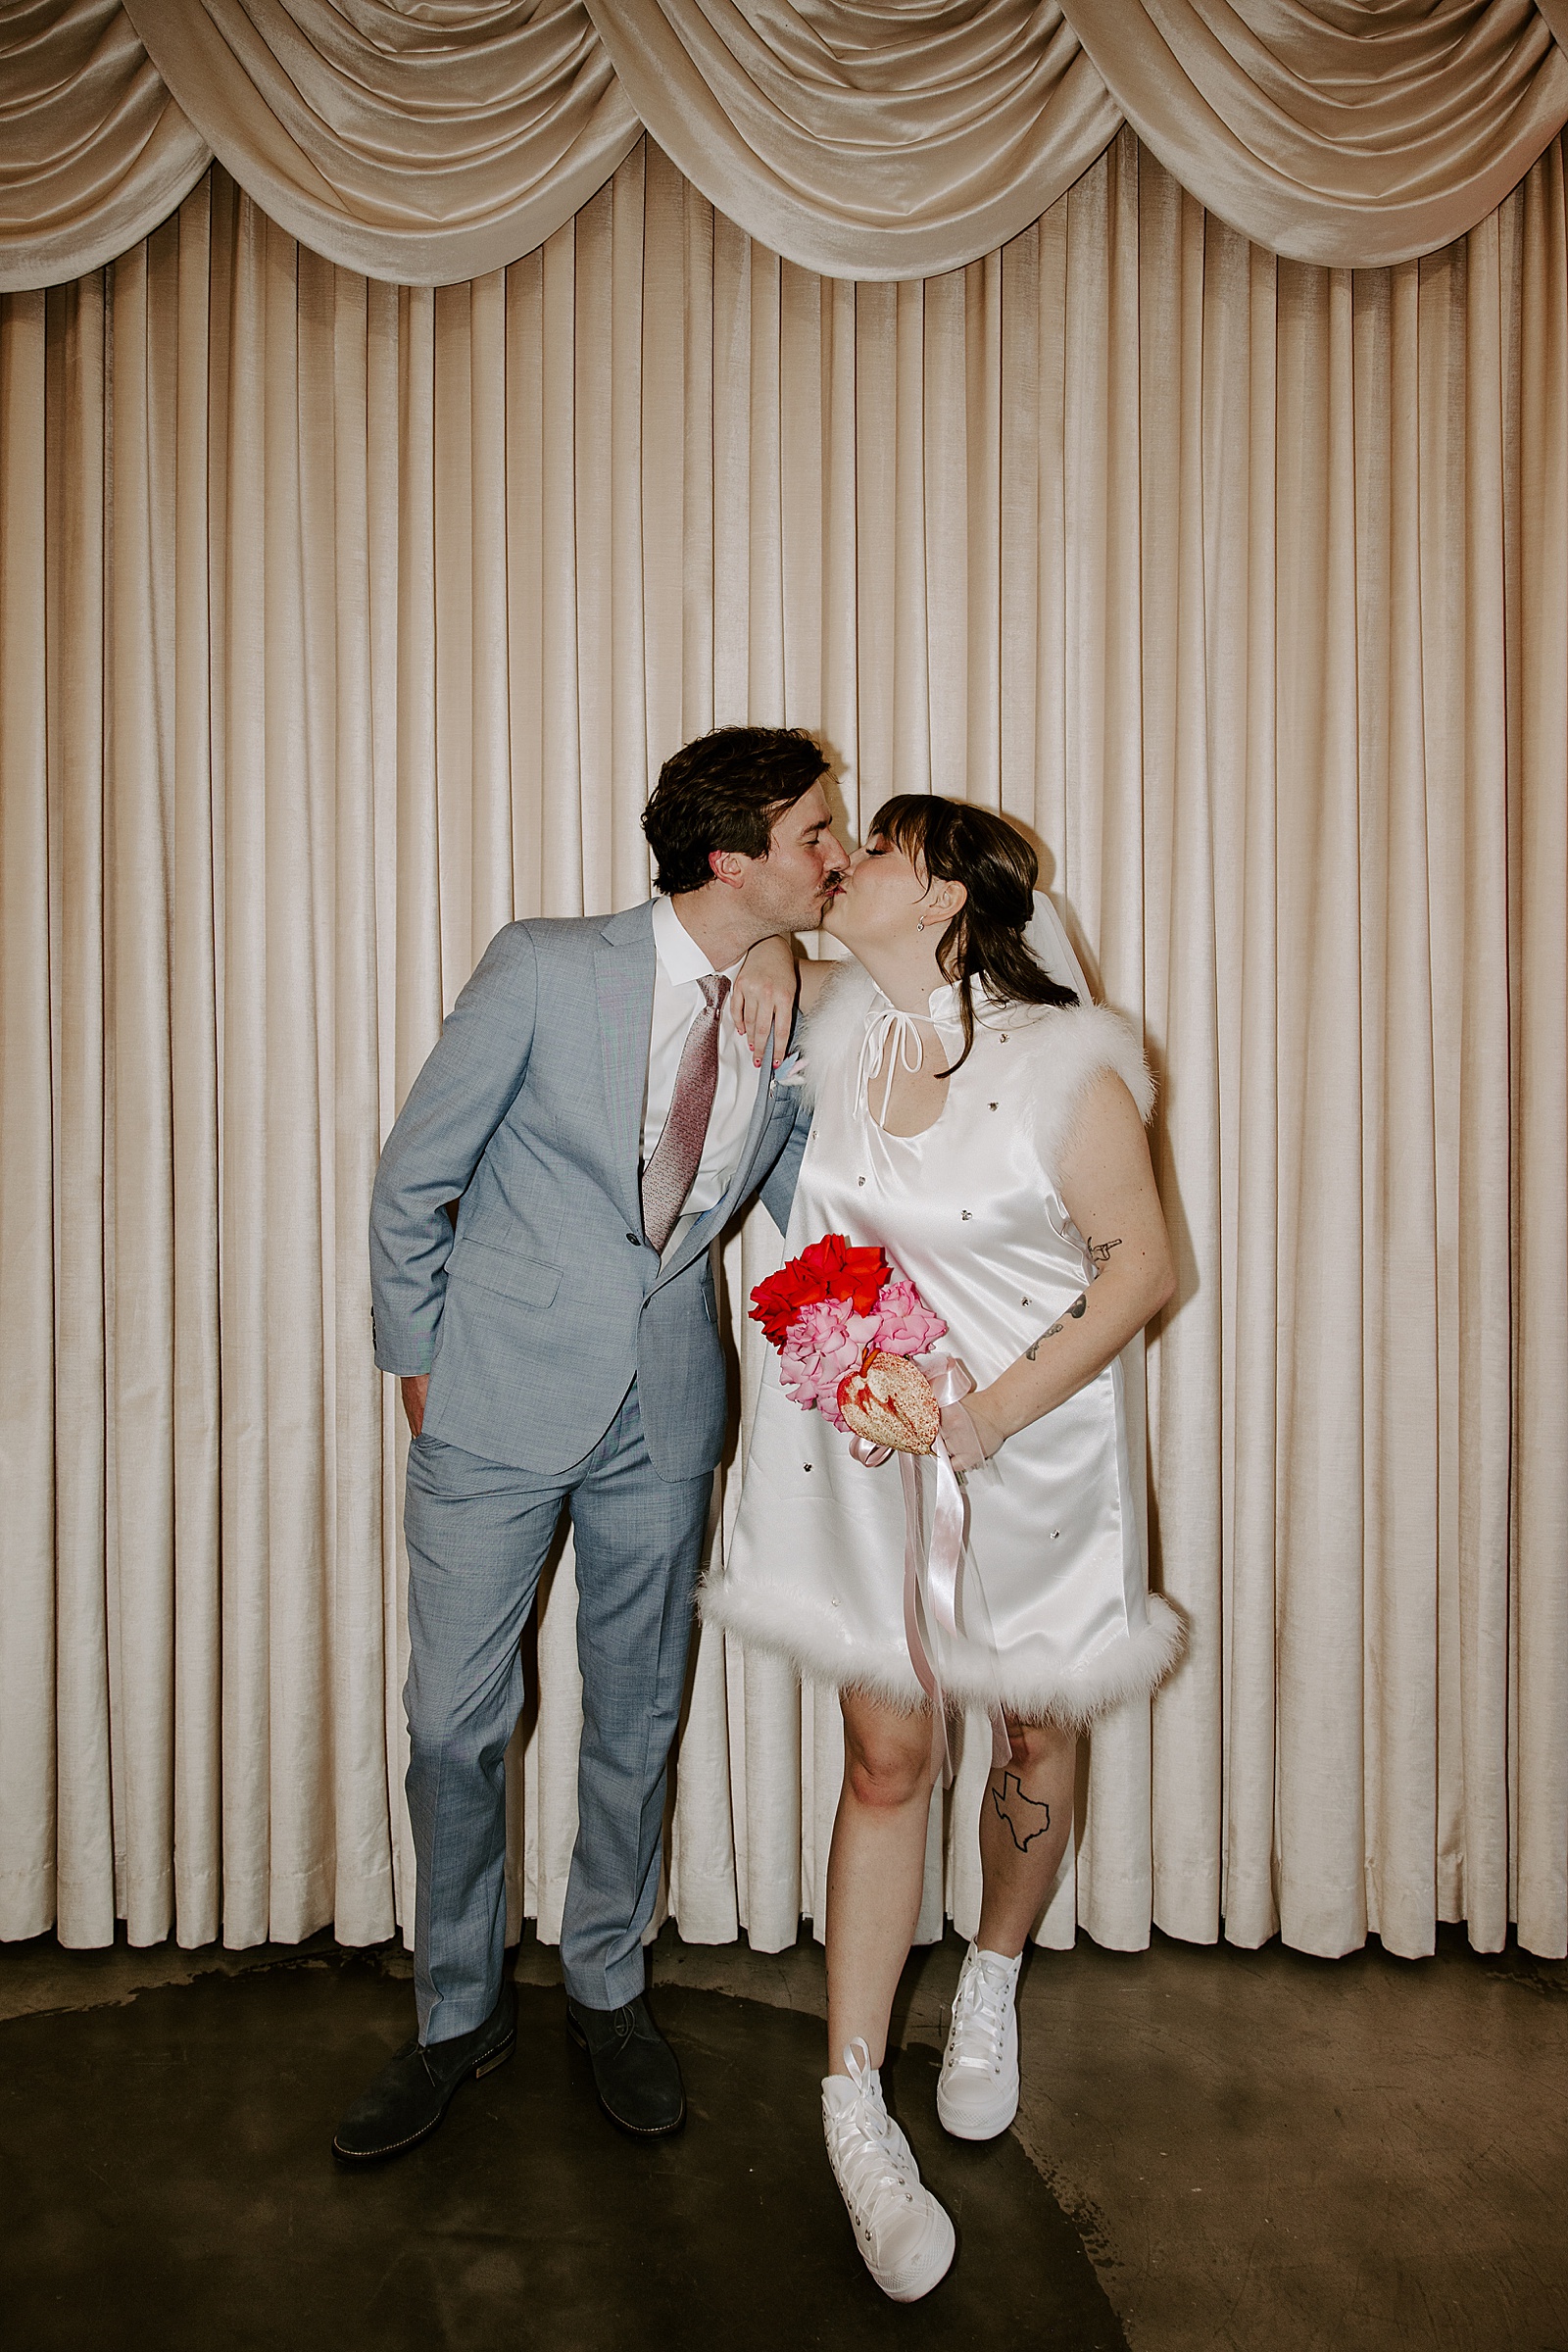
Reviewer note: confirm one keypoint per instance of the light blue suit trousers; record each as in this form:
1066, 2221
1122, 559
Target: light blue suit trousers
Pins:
479, 1534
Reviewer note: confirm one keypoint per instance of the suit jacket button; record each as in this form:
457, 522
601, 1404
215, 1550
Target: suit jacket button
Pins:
636, 1239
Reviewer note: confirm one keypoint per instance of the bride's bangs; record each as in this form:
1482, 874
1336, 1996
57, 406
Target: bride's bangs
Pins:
953, 841
907, 821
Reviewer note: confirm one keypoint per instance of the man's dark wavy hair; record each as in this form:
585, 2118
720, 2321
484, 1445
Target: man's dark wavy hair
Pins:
726, 791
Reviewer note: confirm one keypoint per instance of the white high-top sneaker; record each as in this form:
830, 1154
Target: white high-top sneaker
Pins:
903, 2235
978, 2095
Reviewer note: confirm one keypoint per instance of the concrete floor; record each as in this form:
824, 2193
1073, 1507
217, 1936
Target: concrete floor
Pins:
1251, 2148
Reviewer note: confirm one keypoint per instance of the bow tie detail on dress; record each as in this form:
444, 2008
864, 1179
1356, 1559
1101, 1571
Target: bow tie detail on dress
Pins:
889, 1037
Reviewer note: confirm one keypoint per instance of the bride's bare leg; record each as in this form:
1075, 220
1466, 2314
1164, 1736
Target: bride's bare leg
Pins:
1026, 1820
876, 1867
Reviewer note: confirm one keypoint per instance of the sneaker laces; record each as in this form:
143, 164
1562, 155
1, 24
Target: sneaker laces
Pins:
980, 2015
874, 2162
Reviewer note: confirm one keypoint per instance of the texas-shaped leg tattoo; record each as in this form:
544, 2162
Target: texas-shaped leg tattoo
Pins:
1026, 1818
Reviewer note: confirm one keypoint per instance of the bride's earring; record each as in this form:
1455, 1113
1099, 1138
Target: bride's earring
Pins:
920, 925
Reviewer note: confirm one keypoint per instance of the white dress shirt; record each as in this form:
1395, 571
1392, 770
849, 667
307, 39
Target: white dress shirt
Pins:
677, 1000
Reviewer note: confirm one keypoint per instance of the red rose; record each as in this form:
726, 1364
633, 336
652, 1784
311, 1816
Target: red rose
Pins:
777, 1301
861, 1277
824, 1269
820, 1261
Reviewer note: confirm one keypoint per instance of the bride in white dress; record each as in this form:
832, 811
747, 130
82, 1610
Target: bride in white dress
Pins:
985, 1127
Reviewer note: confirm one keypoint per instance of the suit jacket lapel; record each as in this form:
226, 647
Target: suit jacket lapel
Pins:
623, 968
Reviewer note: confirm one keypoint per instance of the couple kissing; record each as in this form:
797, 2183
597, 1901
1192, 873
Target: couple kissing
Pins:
606, 1099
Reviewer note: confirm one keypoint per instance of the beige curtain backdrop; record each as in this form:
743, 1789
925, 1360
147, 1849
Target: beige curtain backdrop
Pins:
1345, 134
339, 623
866, 139
421, 144
94, 153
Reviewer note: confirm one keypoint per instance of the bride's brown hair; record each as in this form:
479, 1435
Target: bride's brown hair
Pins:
950, 842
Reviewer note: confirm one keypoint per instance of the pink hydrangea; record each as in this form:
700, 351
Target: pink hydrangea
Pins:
827, 1340
904, 1324
824, 1343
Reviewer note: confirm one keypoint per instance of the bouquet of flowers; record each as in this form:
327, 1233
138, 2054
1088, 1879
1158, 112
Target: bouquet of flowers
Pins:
846, 1324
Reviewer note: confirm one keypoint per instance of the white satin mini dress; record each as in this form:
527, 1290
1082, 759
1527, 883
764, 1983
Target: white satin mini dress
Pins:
1054, 1618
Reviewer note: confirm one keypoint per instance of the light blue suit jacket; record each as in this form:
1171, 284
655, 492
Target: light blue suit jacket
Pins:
533, 1316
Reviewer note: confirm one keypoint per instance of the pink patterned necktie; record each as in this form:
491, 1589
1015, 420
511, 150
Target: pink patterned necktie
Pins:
670, 1175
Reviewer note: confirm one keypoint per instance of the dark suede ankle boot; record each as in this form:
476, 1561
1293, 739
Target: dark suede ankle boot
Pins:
635, 2070
415, 2088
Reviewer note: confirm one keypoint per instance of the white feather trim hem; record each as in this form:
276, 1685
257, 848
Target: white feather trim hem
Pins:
1036, 1691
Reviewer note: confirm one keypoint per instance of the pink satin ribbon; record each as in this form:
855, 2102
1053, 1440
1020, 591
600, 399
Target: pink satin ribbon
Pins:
932, 1579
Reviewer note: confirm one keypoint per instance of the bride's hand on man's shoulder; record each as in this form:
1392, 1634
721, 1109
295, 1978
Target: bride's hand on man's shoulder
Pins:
763, 998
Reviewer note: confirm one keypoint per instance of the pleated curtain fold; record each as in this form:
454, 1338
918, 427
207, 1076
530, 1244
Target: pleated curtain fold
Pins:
865, 140
339, 623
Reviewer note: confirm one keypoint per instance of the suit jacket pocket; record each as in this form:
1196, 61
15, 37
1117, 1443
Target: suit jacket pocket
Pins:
528, 1279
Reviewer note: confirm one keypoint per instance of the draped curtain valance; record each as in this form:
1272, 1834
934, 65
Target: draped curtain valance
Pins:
429, 141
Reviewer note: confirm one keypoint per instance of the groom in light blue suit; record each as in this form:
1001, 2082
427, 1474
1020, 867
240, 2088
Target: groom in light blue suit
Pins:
597, 1120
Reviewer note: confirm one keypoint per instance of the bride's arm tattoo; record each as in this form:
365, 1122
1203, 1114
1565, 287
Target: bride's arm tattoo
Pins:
1100, 1252
1073, 1313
